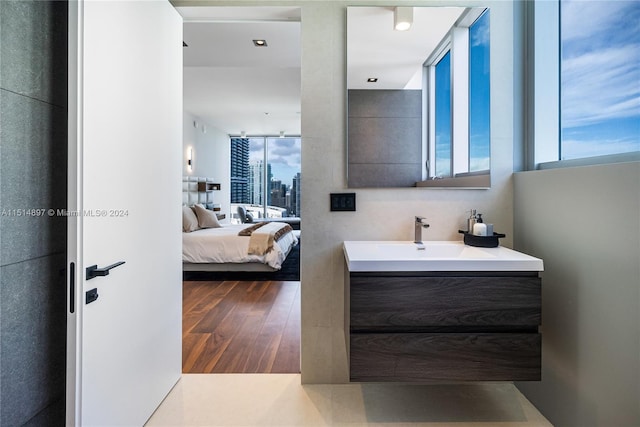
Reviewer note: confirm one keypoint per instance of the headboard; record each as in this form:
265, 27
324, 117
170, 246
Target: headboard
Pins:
190, 193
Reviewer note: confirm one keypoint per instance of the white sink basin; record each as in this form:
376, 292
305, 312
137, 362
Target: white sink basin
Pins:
436, 256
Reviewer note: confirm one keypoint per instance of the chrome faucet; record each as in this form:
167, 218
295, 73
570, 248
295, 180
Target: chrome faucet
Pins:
419, 225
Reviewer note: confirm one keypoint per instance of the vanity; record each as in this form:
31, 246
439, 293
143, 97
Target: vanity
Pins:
450, 312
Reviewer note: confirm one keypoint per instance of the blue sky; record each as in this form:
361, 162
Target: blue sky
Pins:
283, 155
443, 117
479, 93
600, 77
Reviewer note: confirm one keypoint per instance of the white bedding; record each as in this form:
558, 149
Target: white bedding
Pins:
223, 245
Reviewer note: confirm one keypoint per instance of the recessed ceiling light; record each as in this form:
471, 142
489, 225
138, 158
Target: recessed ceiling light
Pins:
260, 43
372, 80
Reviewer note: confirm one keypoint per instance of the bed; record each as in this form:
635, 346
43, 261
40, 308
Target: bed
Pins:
212, 245
223, 249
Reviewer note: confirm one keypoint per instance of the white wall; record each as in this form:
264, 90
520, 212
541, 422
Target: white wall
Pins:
211, 156
585, 223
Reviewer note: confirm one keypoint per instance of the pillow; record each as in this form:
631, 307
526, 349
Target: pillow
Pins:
189, 220
206, 218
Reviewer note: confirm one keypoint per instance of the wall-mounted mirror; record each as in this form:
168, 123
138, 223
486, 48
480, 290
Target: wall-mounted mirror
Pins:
418, 99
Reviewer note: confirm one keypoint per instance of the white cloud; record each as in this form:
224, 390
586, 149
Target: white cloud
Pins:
481, 35
583, 19
572, 148
600, 64
601, 85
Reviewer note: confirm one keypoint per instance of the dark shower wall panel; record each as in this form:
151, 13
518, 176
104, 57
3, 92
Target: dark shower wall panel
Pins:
384, 138
33, 146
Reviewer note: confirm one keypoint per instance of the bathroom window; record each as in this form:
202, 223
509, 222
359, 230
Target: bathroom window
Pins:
599, 78
458, 100
587, 83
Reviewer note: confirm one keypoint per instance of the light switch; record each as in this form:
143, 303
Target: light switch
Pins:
343, 201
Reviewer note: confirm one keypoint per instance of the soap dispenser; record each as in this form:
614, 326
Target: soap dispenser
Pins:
479, 228
471, 221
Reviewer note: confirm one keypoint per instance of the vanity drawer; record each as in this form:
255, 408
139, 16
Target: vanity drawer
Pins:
397, 303
445, 357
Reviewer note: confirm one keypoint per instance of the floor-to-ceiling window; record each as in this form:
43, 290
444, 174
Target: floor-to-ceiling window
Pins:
265, 176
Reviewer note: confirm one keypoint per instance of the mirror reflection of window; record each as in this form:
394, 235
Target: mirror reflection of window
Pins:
443, 117
459, 93
479, 105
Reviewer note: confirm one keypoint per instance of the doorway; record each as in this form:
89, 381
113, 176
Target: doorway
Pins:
241, 77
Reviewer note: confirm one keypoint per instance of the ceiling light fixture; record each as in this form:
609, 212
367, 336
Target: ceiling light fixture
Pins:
402, 18
260, 43
372, 80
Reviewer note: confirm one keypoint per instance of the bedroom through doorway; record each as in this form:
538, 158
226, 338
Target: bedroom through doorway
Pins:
241, 139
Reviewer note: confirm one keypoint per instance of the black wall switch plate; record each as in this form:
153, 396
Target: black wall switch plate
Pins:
343, 201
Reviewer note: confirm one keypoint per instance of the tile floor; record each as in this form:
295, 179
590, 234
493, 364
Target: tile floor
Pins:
280, 400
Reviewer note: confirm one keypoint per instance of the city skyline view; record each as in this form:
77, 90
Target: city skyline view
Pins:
283, 154
265, 171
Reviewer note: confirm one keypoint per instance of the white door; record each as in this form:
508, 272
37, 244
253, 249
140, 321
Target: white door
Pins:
125, 144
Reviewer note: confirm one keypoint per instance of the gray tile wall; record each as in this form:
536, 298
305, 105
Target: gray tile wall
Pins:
384, 138
33, 150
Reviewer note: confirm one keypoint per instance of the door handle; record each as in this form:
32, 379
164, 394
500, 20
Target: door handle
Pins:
94, 271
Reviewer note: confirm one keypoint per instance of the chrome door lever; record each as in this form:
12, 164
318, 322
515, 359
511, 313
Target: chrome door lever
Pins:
94, 271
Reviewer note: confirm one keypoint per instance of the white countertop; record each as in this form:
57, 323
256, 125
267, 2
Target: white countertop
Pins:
437, 256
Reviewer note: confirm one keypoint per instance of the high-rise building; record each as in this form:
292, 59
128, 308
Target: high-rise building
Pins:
240, 170
278, 193
295, 195
256, 183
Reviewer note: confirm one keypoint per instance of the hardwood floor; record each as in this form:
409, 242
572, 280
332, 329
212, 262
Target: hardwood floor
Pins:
241, 327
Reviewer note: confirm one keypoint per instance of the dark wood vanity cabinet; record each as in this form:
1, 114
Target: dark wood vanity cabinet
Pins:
444, 326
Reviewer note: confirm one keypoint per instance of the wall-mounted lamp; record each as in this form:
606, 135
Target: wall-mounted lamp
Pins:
281, 134
190, 160
243, 134
402, 18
